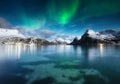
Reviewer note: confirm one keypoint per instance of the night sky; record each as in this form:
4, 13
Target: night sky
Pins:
71, 17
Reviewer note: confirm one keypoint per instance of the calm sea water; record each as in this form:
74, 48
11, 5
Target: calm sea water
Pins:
59, 64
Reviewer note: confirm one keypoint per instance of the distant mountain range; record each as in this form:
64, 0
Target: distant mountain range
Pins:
13, 36
90, 37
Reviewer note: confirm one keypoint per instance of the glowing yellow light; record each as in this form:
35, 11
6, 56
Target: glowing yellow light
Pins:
101, 44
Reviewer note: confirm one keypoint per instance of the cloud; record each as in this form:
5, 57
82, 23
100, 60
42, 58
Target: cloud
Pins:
47, 33
4, 23
62, 36
54, 36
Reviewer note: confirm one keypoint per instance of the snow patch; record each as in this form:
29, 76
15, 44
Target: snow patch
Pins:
91, 32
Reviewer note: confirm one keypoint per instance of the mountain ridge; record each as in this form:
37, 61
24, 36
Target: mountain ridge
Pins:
90, 37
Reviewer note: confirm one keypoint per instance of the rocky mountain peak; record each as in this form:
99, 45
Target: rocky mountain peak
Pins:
92, 37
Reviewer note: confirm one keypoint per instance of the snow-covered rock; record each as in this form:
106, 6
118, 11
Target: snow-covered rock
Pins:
90, 32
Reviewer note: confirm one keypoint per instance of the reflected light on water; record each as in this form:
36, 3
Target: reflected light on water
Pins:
65, 49
96, 52
61, 49
32, 48
92, 54
18, 49
14, 52
101, 46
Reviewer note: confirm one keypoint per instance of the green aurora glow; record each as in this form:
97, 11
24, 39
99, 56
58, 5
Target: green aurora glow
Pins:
31, 22
65, 11
35, 14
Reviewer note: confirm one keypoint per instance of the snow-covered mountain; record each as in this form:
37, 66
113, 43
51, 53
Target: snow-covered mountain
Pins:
10, 33
92, 37
10, 36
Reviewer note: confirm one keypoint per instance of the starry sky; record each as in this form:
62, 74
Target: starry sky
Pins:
71, 17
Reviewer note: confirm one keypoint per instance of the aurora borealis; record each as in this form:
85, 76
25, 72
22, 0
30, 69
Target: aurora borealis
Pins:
67, 16
66, 11
56, 11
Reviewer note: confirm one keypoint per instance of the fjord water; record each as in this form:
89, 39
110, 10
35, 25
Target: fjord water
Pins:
59, 64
